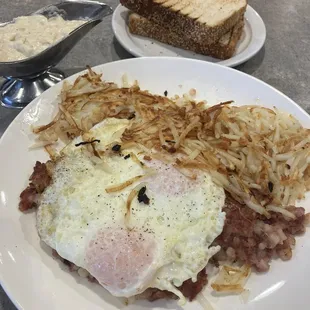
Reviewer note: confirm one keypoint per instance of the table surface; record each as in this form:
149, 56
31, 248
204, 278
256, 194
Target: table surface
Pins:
284, 62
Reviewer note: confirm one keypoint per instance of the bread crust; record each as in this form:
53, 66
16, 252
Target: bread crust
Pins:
223, 49
183, 24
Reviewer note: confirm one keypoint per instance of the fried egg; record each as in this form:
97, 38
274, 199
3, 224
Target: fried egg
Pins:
159, 242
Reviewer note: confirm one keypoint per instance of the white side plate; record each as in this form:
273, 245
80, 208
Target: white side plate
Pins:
36, 281
252, 40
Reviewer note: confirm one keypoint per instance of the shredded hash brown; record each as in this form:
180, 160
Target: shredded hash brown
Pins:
259, 155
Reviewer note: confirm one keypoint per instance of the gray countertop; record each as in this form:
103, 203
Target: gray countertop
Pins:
284, 62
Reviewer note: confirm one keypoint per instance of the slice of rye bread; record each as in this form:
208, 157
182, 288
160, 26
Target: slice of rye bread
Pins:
223, 49
199, 20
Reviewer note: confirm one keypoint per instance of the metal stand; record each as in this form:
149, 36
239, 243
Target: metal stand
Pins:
18, 92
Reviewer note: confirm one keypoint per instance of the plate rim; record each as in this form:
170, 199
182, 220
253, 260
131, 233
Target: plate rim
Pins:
9, 290
258, 38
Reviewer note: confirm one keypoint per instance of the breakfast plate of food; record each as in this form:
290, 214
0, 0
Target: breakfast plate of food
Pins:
167, 188
229, 34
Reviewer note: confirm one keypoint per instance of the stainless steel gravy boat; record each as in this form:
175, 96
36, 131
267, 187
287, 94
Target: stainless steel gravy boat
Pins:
28, 78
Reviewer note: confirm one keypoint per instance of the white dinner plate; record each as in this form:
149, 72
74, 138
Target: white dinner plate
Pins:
252, 40
35, 280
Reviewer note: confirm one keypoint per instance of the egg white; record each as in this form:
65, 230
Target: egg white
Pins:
166, 241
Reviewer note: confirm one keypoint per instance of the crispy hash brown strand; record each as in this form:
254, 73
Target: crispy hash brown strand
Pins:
259, 155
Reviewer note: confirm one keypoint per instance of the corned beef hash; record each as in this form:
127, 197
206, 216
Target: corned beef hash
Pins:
143, 192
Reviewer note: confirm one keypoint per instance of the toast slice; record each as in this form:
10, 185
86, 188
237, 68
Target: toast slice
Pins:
199, 20
223, 49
